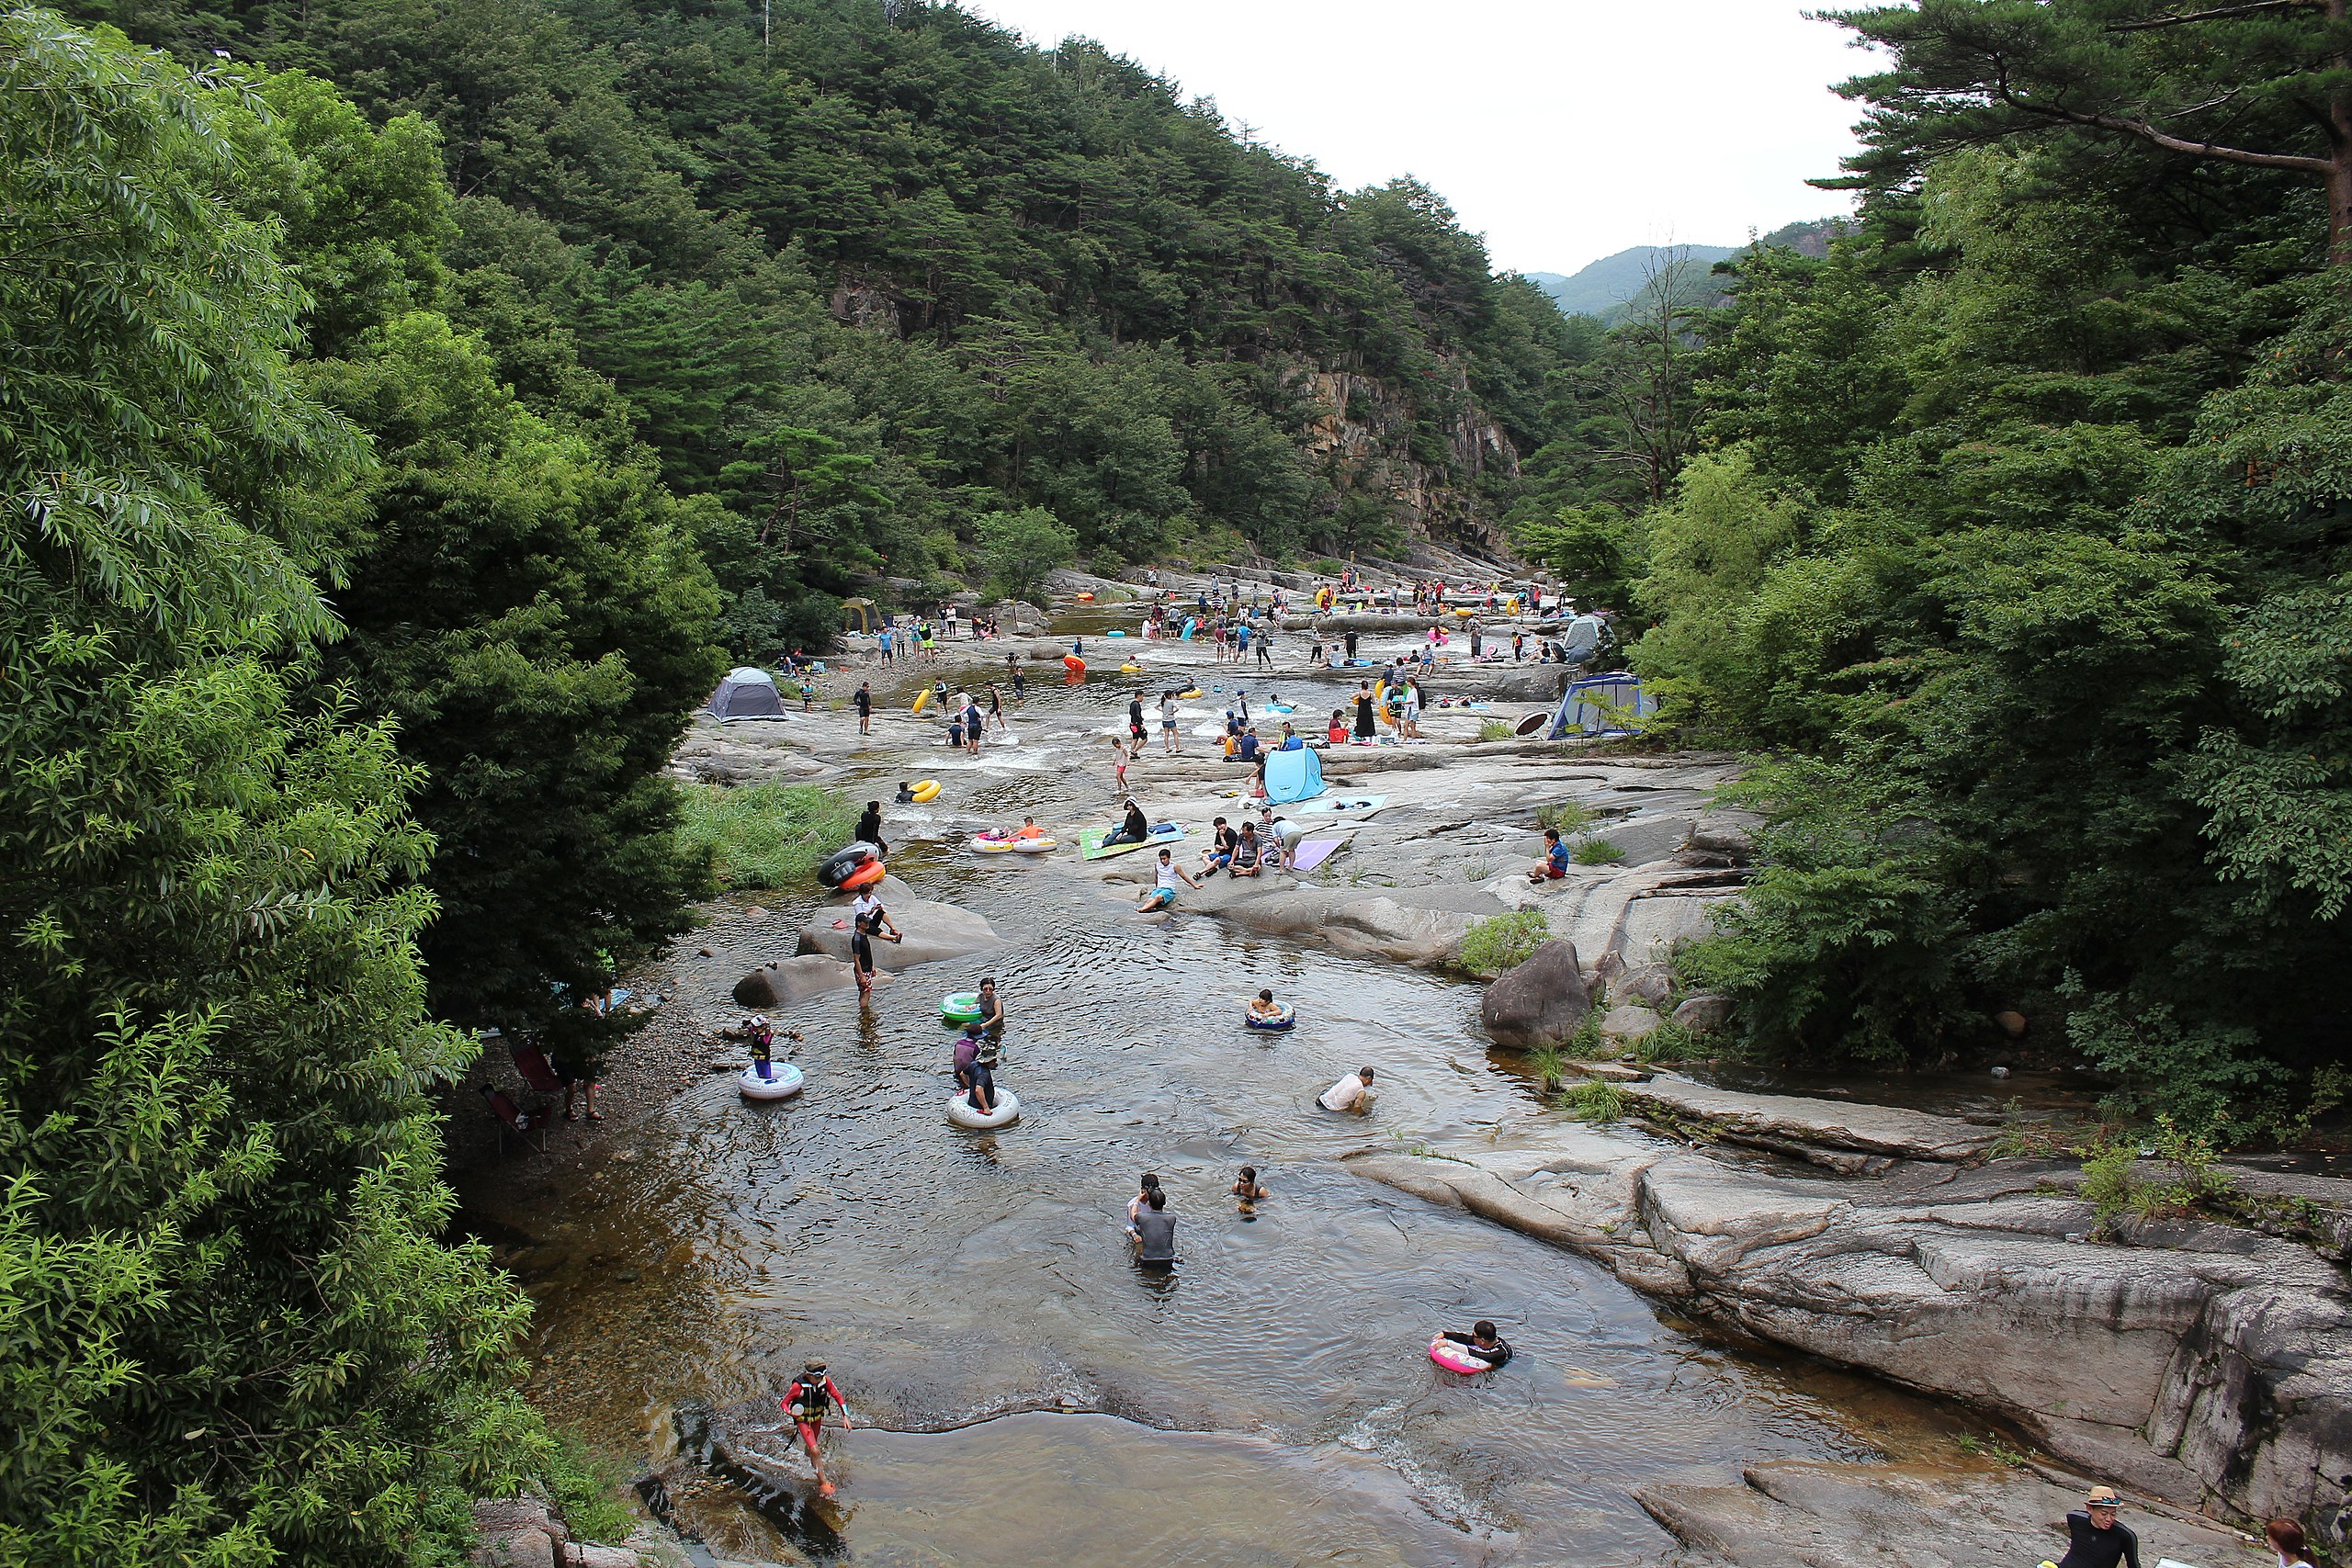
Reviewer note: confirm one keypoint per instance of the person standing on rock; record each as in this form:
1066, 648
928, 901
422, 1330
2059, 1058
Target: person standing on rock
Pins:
1168, 740
869, 828
1020, 682
1364, 713
806, 1399
1134, 724
1350, 640
863, 931
865, 701
2095, 1539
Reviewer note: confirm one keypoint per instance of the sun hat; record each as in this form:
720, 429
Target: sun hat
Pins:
2103, 1497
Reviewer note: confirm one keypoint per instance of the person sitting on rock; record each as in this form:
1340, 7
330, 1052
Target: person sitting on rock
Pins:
1133, 830
1246, 852
1483, 1342
1555, 864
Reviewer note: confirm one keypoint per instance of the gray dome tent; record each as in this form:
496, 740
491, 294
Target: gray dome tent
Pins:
746, 694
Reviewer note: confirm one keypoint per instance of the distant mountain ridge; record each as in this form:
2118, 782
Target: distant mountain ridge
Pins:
1609, 285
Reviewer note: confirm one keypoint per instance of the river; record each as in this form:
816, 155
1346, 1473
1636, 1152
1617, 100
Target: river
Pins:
1037, 1398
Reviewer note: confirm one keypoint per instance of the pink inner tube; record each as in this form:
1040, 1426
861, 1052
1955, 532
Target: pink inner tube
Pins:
1456, 1357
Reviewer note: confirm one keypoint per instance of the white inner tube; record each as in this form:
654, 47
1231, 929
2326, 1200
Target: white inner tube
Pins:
1008, 1110
1033, 846
784, 1081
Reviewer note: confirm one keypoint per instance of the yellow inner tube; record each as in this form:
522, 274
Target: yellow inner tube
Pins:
1130, 669
927, 790
922, 700
1189, 696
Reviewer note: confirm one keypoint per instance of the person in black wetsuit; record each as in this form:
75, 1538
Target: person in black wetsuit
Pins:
1491, 1347
869, 828
2094, 1537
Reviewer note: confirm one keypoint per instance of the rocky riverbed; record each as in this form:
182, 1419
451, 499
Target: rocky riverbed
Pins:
2199, 1362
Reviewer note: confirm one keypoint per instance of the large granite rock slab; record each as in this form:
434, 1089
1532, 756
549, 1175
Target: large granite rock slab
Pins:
2192, 1360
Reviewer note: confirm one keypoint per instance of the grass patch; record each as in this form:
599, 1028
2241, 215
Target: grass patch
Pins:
2180, 1178
1991, 1446
1495, 943
768, 835
1596, 852
1548, 1066
1596, 1099
1567, 816
1495, 729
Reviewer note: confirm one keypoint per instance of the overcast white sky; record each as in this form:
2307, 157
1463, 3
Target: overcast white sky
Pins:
1564, 130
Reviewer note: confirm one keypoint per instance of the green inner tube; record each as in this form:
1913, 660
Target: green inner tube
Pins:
960, 1007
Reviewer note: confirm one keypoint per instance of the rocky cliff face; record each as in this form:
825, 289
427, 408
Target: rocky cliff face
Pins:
1365, 439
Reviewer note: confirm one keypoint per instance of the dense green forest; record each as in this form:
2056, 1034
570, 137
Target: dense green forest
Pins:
2016, 534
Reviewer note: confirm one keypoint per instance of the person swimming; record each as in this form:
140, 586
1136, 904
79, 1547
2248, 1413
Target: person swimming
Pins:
1249, 1189
1483, 1342
1264, 1006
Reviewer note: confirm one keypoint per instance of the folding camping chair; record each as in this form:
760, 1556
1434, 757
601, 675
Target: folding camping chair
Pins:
512, 1117
536, 1070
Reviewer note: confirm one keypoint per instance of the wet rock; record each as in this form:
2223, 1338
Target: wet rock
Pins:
791, 980
1703, 1014
2195, 1357
1615, 1072
602, 1557
1539, 1001
1360, 922
1628, 1023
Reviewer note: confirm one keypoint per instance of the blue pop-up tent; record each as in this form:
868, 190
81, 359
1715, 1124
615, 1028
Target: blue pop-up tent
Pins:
1600, 705
1294, 775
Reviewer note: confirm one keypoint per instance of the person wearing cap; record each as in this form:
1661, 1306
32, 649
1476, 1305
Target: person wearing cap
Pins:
2095, 1539
806, 1399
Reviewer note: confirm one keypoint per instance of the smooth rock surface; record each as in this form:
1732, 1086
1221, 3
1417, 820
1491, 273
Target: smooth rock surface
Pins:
790, 980
1791, 1514
1539, 1001
2193, 1360
932, 931
1784, 1121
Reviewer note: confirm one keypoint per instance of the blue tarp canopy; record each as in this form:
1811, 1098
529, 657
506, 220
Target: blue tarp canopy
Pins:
1600, 705
1294, 775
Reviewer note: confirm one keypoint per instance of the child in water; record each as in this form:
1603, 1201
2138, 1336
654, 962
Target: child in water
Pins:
1265, 1006
1149, 1185
1247, 1188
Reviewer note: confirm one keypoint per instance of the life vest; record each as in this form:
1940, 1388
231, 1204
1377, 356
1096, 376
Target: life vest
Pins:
806, 1401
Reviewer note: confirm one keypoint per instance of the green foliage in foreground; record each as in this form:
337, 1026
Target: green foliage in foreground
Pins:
1495, 943
234, 1335
768, 835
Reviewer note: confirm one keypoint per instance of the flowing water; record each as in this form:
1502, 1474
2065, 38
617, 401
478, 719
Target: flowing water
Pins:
1039, 1398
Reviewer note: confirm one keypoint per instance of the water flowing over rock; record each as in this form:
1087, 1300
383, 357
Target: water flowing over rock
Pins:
1539, 1001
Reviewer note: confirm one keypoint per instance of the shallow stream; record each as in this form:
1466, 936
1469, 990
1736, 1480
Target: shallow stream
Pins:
1038, 1399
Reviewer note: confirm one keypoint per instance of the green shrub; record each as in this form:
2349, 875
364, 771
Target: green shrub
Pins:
768, 835
1548, 1067
1494, 944
1567, 816
1596, 852
2173, 1173
1495, 729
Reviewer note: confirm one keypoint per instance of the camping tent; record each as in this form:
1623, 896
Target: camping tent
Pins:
1600, 705
860, 611
1294, 775
746, 694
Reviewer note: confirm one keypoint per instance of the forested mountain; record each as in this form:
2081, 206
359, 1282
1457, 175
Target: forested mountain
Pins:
2017, 529
1613, 282
869, 274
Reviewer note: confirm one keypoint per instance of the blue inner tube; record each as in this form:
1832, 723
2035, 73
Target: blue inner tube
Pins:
1283, 1019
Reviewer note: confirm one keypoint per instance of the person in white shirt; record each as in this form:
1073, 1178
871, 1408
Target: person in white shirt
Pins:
1164, 877
1352, 1092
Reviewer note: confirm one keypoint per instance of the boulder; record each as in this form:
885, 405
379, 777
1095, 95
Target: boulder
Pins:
1359, 922
1650, 986
1541, 1000
1630, 1022
1812, 1128
791, 980
2012, 1023
1703, 1014
933, 932
517, 1532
